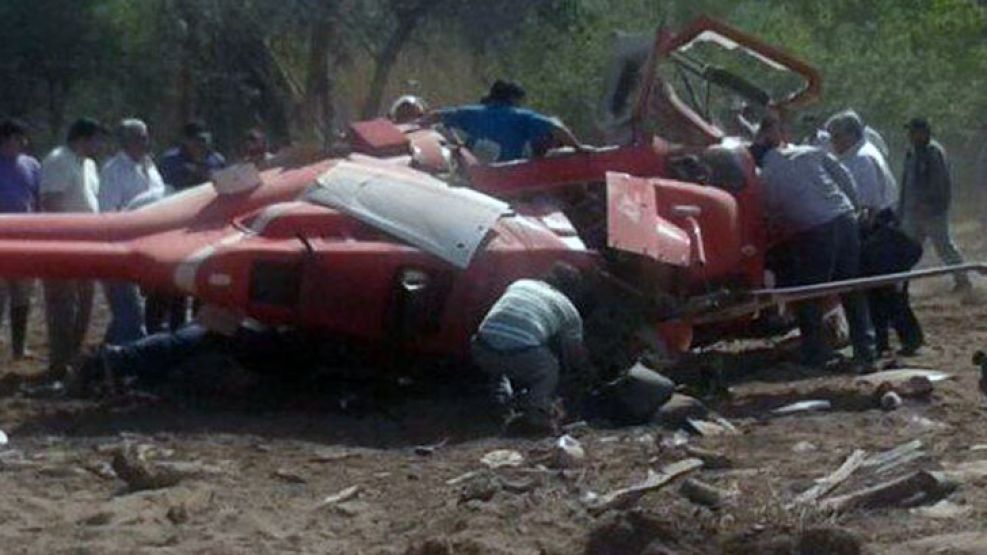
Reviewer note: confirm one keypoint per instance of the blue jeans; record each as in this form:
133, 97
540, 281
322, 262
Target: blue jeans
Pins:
829, 252
127, 322
151, 357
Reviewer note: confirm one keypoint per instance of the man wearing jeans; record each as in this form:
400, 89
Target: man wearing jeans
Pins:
811, 199
531, 334
126, 175
926, 195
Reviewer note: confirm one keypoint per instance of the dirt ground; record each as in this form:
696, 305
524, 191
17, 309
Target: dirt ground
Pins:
399, 471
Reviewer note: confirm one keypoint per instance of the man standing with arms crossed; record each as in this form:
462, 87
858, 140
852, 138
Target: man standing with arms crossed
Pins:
70, 184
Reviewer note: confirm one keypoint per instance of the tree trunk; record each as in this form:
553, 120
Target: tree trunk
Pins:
318, 104
408, 20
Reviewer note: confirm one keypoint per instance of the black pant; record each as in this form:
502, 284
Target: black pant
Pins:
890, 307
828, 252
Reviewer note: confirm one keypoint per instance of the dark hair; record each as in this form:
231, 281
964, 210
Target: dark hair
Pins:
86, 128
12, 127
194, 130
567, 279
504, 92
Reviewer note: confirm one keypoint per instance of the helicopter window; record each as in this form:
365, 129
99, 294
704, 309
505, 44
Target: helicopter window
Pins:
275, 283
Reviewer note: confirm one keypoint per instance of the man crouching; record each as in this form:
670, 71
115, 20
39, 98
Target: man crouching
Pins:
533, 332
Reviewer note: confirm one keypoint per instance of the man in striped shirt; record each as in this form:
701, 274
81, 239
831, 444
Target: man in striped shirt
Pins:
533, 332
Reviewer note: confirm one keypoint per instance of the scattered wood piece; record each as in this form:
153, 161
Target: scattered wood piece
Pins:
943, 510
910, 490
828, 483
462, 478
625, 497
895, 457
712, 460
333, 455
707, 428
966, 471
703, 494
501, 458
289, 476
340, 497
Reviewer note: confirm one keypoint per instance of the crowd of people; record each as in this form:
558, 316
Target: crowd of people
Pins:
69, 180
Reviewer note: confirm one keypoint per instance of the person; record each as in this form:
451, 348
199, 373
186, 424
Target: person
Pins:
192, 162
128, 174
189, 164
407, 109
499, 130
255, 148
885, 249
20, 180
877, 189
533, 333
811, 200
70, 183
926, 195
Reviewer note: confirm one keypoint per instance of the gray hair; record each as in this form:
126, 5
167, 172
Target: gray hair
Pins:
131, 129
846, 123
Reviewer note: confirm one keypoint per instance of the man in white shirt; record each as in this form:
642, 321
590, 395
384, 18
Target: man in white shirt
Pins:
811, 199
876, 186
70, 184
125, 176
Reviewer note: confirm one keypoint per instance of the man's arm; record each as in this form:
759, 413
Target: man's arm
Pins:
842, 178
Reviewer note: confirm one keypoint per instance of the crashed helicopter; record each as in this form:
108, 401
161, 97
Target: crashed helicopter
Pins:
407, 241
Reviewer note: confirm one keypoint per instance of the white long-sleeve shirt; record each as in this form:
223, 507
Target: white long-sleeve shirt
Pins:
124, 178
876, 186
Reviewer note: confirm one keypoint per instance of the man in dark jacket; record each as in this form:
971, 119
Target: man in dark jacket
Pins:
926, 195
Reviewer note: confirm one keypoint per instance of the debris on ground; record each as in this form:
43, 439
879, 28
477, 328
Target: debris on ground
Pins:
704, 494
481, 487
140, 474
712, 460
569, 453
943, 510
890, 401
712, 428
679, 409
288, 476
501, 458
340, 497
915, 489
828, 483
626, 497
810, 405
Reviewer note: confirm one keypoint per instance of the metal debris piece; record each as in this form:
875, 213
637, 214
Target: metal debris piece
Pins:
812, 405
501, 458
707, 428
902, 375
336, 498
626, 497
